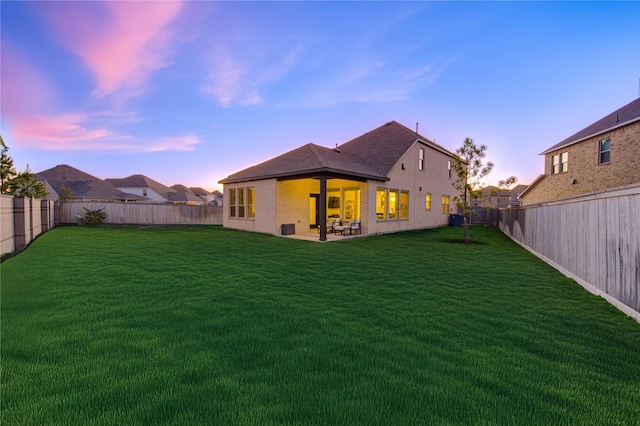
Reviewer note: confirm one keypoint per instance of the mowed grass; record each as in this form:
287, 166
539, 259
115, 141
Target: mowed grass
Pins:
204, 325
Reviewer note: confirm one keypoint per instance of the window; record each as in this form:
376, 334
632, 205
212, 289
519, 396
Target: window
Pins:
232, 202
351, 203
427, 201
559, 163
381, 204
421, 159
449, 167
564, 162
240, 202
144, 192
393, 204
446, 203
251, 210
404, 205
605, 151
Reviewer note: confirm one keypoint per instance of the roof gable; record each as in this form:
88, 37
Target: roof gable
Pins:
141, 181
621, 117
83, 185
369, 156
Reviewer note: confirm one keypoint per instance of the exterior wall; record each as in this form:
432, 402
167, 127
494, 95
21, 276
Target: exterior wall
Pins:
584, 167
434, 179
265, 205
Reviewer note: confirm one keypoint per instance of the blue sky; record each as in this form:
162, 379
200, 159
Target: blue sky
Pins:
191, 92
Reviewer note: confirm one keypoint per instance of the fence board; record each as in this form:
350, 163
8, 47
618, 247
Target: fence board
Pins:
144, 213
596, 239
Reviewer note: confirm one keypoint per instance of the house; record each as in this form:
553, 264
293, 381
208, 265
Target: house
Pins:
184, 195
493, 197
143, 186
83, 186
214, 198
391, 179
602, 156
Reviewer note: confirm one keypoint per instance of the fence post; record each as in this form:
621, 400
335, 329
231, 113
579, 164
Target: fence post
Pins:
19, 228
44, 215
56, 213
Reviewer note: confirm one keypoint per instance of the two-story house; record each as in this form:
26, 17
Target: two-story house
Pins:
602, 156
390, 179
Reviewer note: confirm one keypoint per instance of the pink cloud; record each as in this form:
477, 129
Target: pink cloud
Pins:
121, 42
174, 143
55, 131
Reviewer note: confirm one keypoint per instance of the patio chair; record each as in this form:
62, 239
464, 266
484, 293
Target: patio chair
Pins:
331, 224
354, 225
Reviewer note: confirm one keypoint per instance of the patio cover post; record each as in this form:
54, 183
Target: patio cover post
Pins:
322, 208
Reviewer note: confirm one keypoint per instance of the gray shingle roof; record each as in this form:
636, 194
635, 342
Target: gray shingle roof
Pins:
369, 156
142, 181
83, 184
621, 117
183, 194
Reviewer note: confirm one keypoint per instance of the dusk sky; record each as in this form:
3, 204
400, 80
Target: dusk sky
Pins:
191, 92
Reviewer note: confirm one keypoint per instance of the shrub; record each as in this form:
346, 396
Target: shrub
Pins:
94, 217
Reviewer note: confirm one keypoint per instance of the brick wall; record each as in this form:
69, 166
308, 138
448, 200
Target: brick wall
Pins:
584, 168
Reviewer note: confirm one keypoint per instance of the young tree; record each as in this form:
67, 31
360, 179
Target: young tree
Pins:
470, 171
7, 171
26, 184
65, 193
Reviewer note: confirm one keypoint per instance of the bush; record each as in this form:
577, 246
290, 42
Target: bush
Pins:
94, 217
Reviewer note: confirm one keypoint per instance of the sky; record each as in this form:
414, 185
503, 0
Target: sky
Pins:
191, 92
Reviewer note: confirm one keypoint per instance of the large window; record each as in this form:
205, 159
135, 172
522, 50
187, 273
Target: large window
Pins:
446, 203
404, 205
421, 159
427, 201
381, 204
351, 204
605, 151
242, 202
559, 163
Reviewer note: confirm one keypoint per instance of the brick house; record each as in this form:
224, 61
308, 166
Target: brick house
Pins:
603, 156
391, 179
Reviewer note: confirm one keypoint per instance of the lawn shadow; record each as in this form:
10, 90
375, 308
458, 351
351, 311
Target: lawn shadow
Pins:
459, 241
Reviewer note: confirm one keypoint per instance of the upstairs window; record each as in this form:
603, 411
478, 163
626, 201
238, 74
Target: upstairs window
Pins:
421, 159
605, 151
559, 163
449, 168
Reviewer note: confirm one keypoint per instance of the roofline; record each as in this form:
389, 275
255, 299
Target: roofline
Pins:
531, 185
626, 123
305, 173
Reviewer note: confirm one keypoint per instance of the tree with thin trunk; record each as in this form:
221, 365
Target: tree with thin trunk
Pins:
7, 171
470, 171
23, 184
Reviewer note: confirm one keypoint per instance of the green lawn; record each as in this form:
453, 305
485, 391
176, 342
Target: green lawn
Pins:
203, 325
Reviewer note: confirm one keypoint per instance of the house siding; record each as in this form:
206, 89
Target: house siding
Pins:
434, 179
265, 207
590, 176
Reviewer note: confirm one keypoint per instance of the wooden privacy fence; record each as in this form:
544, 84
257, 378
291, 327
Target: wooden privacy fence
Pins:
595, 240
23, 219
144, 213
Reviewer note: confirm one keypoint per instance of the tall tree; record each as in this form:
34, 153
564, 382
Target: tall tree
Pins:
470, 171
7, 171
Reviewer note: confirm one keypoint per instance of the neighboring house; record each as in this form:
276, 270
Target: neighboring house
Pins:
391, 179
493, 197
143, 186
602, 156
218, 198
84, 187
209, 197
184, 195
